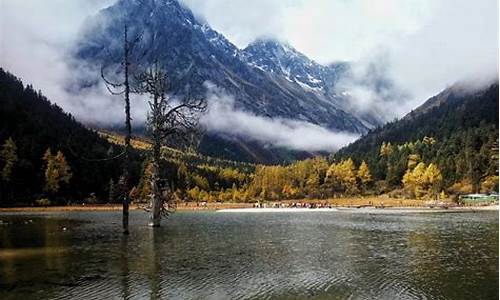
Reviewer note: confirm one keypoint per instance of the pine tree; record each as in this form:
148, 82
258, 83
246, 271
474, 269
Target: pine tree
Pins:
9, 157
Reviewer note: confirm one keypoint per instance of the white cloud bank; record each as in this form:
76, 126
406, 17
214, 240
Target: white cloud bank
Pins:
35, 48
426, 45
222, 117
423, 45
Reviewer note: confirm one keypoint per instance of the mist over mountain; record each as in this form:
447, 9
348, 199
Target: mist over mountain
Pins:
267, 80
422, 46
458, 117
382, 68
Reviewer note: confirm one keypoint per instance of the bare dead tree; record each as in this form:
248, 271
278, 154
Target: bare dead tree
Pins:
169, 119
123, 88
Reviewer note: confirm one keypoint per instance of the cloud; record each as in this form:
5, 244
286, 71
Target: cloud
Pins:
422, 46
460, 43
36, 50
426, 44
242, 21
222, 117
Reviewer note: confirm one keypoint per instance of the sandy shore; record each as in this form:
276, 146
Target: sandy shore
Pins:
243, 206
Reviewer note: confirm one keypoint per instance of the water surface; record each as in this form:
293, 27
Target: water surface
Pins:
208, 255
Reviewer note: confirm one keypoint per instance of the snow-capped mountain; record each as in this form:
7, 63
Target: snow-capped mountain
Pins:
193, 53
267, 78
281, 59
326, 82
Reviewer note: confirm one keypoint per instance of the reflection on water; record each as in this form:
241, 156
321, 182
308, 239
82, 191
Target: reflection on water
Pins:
331, 255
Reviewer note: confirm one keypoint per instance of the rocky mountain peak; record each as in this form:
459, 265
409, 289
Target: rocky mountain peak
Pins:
282, 59
267, 78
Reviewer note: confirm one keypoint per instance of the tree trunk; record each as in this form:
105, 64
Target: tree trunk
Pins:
128, 127
156, 199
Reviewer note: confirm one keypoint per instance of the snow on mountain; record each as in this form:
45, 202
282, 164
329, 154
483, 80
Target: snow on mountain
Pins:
267, 78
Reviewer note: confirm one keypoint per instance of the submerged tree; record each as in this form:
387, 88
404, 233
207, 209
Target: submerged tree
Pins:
123, 87
169, 120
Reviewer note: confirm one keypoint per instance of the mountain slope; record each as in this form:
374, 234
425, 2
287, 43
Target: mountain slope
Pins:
35, 124
450, 111
463, 125
193, 53
239, 149
283, 60
267, 79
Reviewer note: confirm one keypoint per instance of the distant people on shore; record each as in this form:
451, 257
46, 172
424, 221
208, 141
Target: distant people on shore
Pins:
311, 205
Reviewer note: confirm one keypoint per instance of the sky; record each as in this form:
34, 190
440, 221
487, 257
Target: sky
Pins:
422, 45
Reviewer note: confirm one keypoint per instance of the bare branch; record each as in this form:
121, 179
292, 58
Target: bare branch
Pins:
168, 120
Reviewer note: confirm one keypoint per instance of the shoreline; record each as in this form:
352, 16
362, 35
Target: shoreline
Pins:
240, 207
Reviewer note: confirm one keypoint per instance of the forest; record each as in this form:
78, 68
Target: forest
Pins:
31, 127
47, 157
